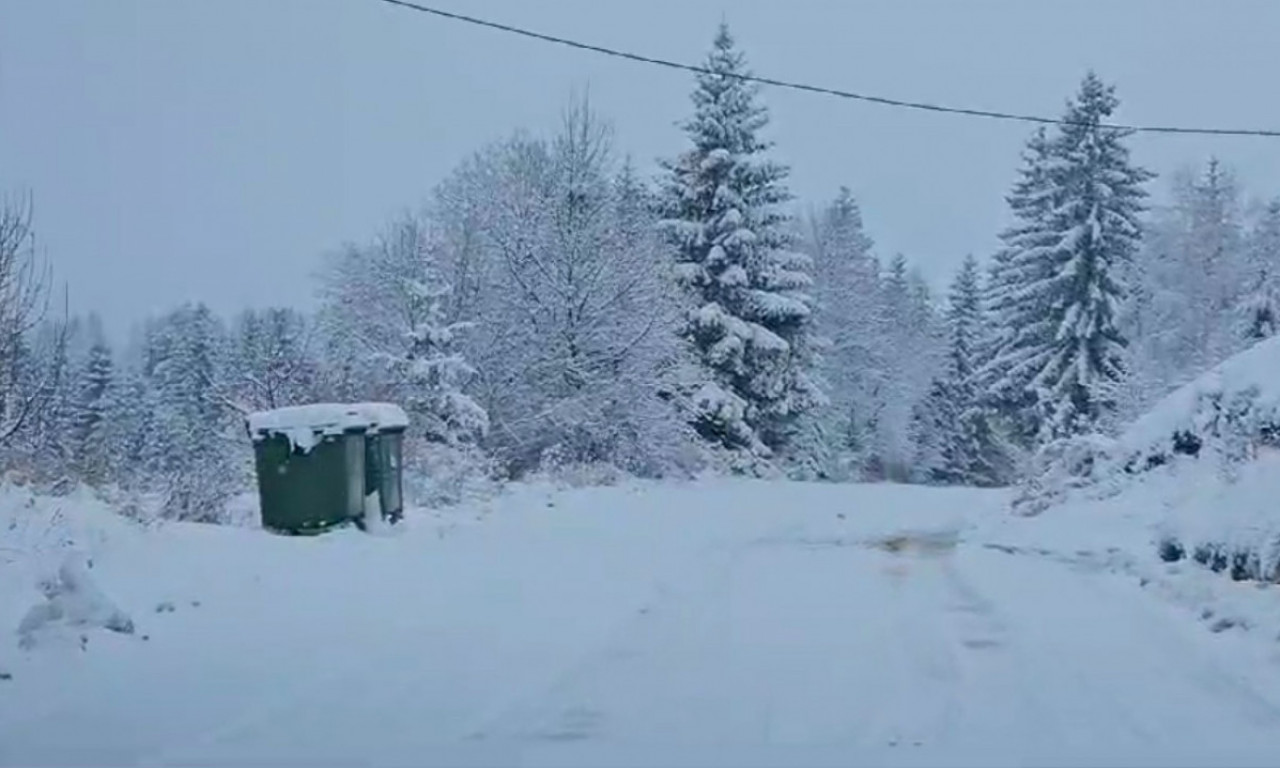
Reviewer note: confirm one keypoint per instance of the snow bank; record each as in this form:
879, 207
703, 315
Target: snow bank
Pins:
303, 424
1233, 407
1203, 468
72, 601
52, 552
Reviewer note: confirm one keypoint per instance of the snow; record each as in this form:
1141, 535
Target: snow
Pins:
1250, 374
303, 424
719, 622
72, 601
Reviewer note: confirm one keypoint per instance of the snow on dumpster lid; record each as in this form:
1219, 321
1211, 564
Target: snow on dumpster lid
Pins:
328, 417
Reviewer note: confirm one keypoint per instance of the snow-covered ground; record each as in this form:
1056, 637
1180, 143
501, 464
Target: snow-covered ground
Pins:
713, 623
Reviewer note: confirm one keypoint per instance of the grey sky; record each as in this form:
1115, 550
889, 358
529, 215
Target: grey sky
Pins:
214, 149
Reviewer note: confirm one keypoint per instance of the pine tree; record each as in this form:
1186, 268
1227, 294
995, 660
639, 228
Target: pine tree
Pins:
934, 432
130, 427
1062, 346
910, 337
435, 372
751, 314
955, 443
847, 317
1004, 391
964, 322
92, 438
189, 449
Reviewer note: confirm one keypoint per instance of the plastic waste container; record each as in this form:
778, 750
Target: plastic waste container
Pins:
319, 465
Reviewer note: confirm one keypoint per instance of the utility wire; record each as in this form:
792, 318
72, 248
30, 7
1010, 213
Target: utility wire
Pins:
918, 105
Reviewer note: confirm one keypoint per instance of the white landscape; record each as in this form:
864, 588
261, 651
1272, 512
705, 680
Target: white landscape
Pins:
714, 622
666, 383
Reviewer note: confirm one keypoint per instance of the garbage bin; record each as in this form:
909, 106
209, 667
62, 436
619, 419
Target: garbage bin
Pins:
315, 463
383, 455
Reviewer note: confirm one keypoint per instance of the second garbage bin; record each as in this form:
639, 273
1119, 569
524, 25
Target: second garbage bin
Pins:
328, 464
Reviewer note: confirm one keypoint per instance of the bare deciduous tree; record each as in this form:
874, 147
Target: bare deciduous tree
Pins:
24, 301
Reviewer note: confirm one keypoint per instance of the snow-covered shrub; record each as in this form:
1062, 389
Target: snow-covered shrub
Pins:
72, 602
1224, 521
1207, 459
438, 475
1063, 467
1227, 414
1219, 422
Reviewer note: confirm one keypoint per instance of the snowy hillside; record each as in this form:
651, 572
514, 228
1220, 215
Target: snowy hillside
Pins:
1234, 407
711, 623
1199, 468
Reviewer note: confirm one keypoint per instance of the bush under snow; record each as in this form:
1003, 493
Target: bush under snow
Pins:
73, 603
1203, 462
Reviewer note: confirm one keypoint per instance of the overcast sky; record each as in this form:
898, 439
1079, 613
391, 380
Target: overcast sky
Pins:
215, 149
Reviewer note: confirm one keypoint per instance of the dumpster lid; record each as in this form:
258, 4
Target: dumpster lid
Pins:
300, 423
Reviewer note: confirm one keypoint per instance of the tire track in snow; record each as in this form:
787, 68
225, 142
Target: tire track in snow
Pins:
679, 603
1108, 665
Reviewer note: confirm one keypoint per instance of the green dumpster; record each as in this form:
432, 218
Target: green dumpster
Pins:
383, 454
328, 464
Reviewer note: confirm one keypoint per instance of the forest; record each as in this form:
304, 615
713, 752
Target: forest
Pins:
551, 309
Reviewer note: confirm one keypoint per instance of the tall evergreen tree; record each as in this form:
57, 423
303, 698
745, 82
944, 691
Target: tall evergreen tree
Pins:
188, 450
92, 439
911, 340
953, 437
964, 322
131, 426
1005, 393
434, 372
847, 316
1062, 346
750, 319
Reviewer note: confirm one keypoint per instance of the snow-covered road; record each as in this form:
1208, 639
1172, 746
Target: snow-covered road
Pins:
724, 623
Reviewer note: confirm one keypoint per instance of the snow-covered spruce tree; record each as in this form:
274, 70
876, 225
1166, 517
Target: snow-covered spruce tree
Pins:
384, 309
1005, 391
848, 316
94, 391
131, 421
750, 314
434, 371
1258, 313
1062, 346
194, 435
911, 336
955, 443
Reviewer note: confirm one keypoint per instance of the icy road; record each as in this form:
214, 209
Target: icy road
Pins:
724, 623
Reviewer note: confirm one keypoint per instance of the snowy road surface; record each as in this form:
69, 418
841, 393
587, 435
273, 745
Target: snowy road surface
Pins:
725, 623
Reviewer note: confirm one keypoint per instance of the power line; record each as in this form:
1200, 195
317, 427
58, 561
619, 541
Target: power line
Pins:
900, 103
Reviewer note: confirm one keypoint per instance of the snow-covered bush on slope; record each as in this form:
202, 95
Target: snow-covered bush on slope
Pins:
1231, 412
48, 585
1206, 459
1066, 468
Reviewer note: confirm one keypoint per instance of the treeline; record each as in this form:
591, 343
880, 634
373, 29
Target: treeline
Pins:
550, 309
